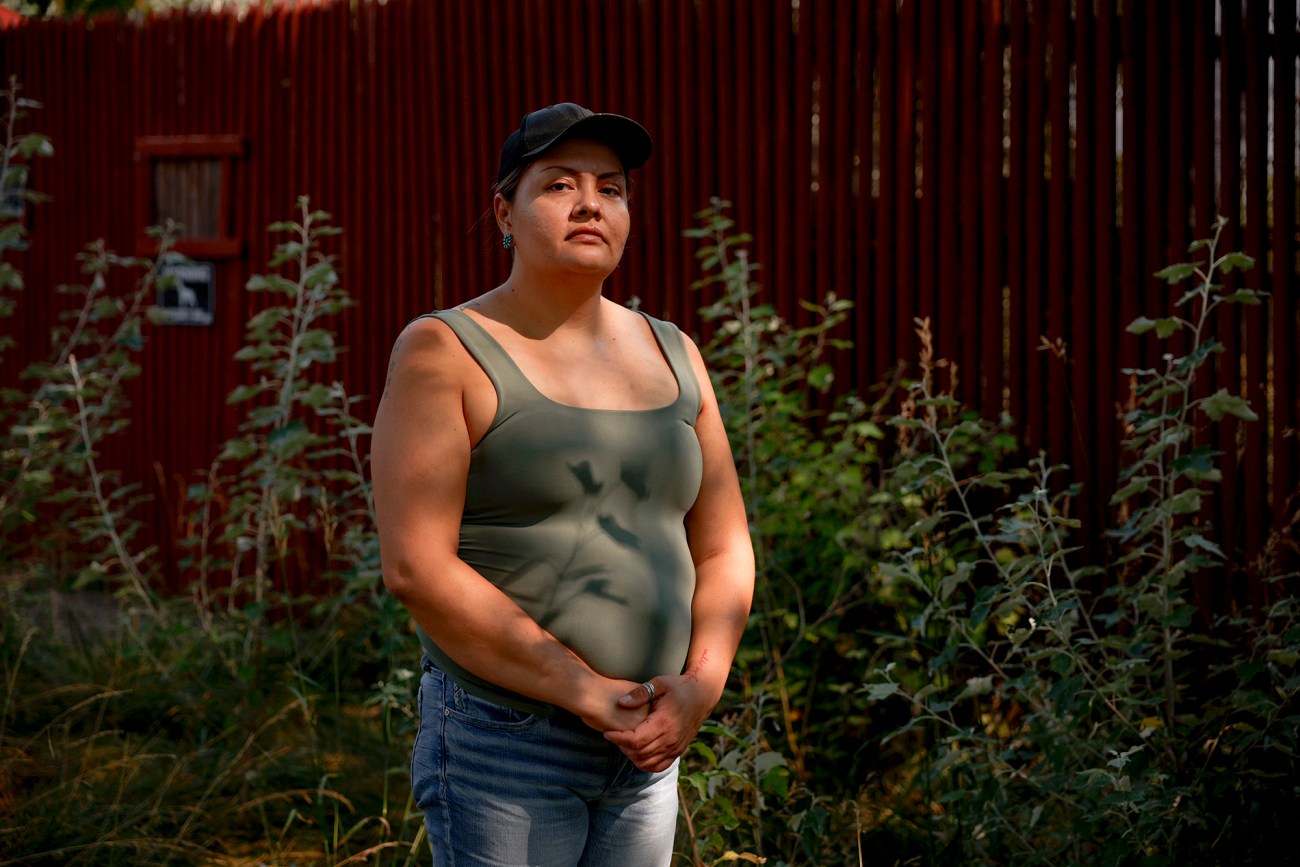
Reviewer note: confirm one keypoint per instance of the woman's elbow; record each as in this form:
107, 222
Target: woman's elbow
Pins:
399, 580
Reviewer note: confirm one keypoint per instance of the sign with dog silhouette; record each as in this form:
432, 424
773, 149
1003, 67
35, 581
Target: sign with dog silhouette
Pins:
189, 297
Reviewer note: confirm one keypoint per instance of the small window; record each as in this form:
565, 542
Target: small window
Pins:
188, 179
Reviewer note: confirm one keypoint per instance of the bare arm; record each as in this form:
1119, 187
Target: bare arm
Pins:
419, 462
718, 532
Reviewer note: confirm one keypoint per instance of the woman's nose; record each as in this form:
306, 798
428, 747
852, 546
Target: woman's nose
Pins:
588, 209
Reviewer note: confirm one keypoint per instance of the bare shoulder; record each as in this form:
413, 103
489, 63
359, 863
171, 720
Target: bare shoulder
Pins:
424, 336
426, 348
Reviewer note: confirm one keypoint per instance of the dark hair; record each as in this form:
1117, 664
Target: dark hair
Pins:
508, 185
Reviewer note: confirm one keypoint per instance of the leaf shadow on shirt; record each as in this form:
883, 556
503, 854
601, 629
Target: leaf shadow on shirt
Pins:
596, 581
578, 577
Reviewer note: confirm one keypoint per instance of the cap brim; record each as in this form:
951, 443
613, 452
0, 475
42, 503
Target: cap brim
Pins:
625, 137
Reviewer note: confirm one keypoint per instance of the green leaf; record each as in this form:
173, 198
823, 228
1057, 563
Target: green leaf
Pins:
1198, 541
1221, 403
35, 145
1137, 486
707, 752
880, 691
255, 352
976, 686
241, 393
10, 277
316, 396
820, 377
286, 252
1166, 327
1199, 458
1123, 758
1176, 273
1235, 262
1141, 325
238, 449
270, 283
766, 761
1242, 296
321, 272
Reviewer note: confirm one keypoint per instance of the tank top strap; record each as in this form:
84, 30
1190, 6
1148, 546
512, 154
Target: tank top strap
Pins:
673, 344
508, 380
514, 388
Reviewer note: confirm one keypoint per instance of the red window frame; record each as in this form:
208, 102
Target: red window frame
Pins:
150, 150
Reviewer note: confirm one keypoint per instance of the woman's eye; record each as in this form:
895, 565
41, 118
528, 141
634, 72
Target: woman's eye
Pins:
611, 191
558, 185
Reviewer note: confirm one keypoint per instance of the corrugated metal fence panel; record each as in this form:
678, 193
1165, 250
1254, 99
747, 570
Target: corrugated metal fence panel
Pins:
1285, 475
1015, 171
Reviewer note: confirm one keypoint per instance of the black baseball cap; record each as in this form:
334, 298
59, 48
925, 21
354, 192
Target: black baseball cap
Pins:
548, 126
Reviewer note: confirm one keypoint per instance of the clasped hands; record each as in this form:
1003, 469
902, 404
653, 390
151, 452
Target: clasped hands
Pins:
664, 727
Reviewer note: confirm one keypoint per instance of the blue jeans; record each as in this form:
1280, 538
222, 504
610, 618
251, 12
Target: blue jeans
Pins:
504, 788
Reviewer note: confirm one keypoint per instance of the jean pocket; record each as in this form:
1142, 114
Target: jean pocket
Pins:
484, 714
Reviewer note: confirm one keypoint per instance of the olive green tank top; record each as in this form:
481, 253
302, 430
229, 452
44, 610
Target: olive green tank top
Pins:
578, 516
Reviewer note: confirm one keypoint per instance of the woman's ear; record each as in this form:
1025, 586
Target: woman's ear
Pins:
501, 210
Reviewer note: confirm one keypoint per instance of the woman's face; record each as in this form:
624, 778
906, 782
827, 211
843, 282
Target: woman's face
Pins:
570, 210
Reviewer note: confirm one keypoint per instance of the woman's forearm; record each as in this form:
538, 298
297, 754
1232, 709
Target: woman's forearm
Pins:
724, 590
489, 635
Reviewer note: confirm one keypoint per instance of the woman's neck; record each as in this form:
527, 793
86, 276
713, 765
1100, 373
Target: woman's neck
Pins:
537, 308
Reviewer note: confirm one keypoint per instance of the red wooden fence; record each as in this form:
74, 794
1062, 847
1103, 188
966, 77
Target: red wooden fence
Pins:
1014, 170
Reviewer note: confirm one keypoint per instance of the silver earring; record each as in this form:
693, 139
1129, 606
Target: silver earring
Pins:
507, 241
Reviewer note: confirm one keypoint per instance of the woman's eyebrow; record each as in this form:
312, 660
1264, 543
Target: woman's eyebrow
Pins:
616, 173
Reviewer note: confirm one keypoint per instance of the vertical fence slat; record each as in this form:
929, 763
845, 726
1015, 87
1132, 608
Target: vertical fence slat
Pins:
1016, 225
948, 294
1282, 305
904, 251
1177, 161
671, 295
1148, 158
1227, 327
1057, 427
865, 211
886, 338
841, 124
1089, 417
992, 192
1033, 289
1132, 279
817, 30
925, 245
802, 250
1202, 131
1101, 286
964, 267
1254, 341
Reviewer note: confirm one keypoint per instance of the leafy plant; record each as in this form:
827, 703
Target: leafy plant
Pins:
18, 149
760, 782
1052, 716
55, 426
244, 722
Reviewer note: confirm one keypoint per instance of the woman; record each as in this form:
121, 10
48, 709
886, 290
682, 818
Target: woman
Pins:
559, 511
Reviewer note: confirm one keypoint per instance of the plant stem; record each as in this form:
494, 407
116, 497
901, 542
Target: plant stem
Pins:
101, 501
